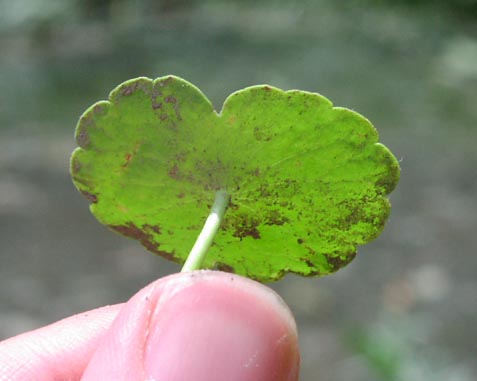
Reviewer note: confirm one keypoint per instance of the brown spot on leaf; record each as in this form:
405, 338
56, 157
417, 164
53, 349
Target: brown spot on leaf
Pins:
128, 90
156, 93
261, 133
127, 159
91, 197
130, 155
246, 231
167, 255
154, 228
223, 267
166, 81
308, 263
266, 191
175, 105
82, 136
241, 224
274, 217
180, 157
146, 239
132, 231
99, 108
311, 270
386, 184
163, 117
75, 164
337, 262
174, 172
300, 241
232, 205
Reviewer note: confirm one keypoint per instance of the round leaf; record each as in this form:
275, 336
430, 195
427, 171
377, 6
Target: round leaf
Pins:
307, 181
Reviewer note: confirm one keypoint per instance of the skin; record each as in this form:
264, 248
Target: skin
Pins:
201, 325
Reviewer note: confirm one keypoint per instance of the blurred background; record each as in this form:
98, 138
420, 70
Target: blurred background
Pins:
405, 309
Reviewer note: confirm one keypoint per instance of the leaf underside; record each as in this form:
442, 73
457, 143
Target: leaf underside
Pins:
308, 181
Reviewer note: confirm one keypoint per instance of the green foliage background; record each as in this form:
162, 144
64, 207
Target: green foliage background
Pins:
404, 309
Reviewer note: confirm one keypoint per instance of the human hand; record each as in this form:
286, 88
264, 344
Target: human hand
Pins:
197, 326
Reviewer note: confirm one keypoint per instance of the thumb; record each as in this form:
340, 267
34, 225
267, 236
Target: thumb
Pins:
203, 325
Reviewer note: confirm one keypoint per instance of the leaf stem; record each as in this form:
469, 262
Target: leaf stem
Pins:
204, 240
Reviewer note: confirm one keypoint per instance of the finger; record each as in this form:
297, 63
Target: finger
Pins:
199, 326
57, 352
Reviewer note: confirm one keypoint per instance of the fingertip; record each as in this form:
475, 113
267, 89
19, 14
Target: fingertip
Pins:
222, 326
203, 325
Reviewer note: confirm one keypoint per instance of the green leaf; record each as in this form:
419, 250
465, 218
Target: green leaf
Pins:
307, 181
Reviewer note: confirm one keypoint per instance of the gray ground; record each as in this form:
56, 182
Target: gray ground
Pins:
405, 309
